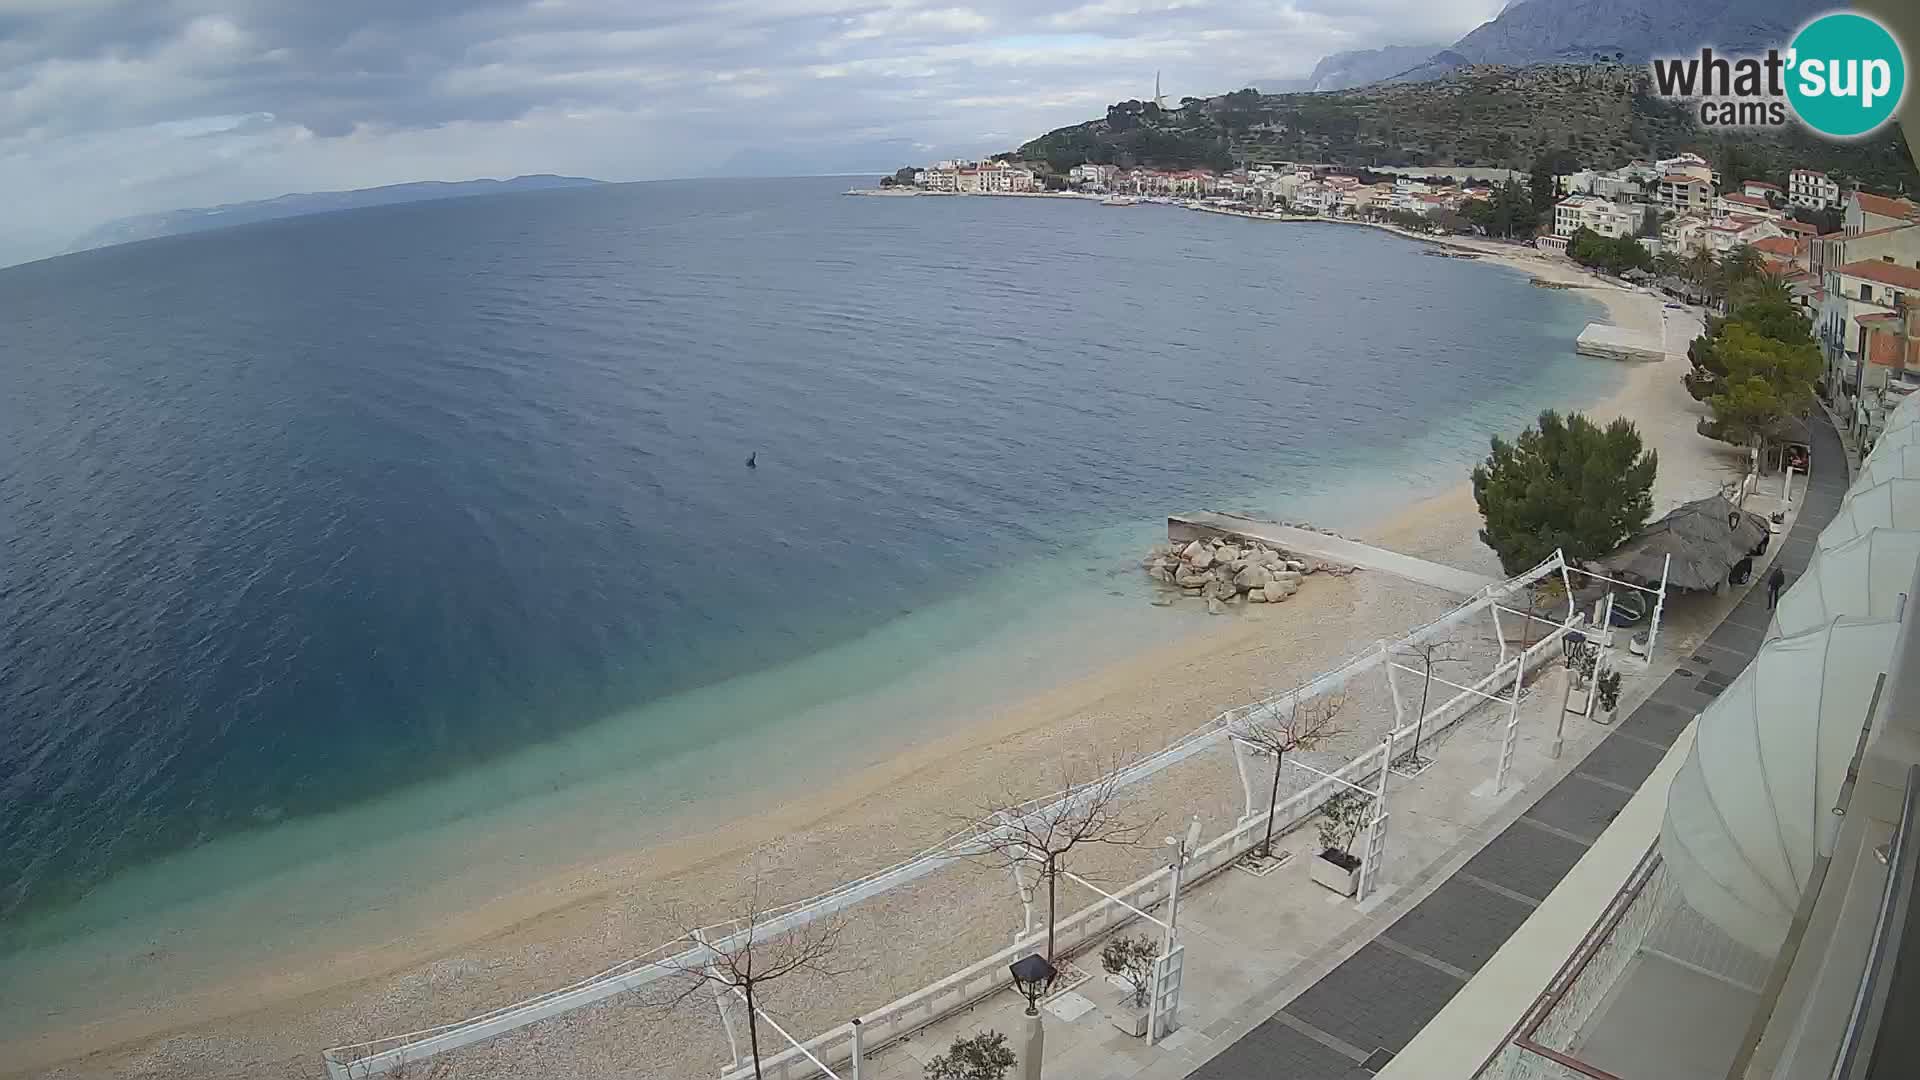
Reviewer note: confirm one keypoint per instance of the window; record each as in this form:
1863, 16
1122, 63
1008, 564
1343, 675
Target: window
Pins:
1866, 292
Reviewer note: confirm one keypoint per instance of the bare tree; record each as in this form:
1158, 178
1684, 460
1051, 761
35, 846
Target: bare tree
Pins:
1301, 727
1089, 811
1431, 654
754, 953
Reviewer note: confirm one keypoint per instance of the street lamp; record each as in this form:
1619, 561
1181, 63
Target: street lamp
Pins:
1032, 975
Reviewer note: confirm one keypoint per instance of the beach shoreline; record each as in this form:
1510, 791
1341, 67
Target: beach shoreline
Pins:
274, 1022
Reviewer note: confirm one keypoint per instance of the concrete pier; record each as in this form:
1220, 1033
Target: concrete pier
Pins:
1323, 548
1620, 343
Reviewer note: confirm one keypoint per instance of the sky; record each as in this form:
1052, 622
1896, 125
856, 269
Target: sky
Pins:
115, 107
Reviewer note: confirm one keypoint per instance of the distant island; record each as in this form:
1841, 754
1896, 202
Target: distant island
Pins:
200, 219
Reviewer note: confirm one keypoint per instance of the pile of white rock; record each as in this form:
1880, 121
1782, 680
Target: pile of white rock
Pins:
1222, 571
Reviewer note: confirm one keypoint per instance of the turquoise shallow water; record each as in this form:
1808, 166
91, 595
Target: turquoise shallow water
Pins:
362, 549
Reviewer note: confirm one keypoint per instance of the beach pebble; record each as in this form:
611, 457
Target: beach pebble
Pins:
1257, 596
1161, 600
1214, 606
1195, 550
1227, 553
1253, 577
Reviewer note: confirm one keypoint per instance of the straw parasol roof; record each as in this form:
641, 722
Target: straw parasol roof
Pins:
1705, 538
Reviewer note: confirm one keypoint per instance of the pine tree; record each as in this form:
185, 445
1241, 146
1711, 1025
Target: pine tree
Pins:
1564, 484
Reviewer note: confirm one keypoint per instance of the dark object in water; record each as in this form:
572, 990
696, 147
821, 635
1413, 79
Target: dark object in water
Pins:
751, 462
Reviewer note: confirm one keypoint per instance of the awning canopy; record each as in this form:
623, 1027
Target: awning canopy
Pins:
1752, 806
1704, 537
1890, 504
1863, 576
1898, 461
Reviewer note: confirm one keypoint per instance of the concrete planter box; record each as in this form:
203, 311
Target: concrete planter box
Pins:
1130, 1020
1337, 876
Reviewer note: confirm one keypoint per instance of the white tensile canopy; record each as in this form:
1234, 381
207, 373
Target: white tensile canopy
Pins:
1904, 413
1898, 461
1894, 437
1752, 806
1890, 504
1862, 576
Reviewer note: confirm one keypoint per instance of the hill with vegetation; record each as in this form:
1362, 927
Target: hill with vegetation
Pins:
1594, 115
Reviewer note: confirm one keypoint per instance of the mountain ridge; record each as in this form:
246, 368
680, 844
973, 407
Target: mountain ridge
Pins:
1528, 32
300, 204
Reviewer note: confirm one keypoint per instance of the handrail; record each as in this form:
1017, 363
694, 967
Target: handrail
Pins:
1889, 932
1557, 988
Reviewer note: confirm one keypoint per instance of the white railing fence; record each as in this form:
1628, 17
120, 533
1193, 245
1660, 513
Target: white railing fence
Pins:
962, 988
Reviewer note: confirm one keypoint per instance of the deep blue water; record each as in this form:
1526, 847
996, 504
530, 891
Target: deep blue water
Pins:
299, 513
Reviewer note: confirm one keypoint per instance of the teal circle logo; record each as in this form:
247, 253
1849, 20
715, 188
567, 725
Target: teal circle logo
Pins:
1846, 75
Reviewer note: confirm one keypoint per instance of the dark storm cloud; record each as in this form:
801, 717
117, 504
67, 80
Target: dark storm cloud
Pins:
118, 106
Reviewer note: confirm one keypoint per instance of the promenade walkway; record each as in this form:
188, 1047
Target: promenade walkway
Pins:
1332, 549
1350, 1023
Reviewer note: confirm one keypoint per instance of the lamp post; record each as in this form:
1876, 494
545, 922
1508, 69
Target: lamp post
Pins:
1032, 975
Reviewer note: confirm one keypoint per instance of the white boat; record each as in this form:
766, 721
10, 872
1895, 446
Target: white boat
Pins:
1118, 200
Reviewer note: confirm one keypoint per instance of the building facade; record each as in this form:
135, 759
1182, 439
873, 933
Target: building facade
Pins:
1812, 188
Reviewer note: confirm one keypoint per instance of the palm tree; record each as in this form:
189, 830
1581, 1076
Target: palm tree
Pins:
1666, 264
1699, 268
1741, 264
1766, 286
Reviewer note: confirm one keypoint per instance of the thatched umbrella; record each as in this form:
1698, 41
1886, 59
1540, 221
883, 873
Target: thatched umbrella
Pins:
1705, 537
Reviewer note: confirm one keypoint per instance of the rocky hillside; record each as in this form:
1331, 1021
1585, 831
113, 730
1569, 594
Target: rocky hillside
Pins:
1345, 70
1484, 116
1544, 31
1547, 31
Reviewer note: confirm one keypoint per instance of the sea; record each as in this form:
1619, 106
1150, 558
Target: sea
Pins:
348, 556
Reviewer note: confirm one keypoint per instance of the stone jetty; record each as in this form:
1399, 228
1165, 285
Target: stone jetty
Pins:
1222, 572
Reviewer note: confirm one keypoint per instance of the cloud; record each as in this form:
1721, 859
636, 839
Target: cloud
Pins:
114, 107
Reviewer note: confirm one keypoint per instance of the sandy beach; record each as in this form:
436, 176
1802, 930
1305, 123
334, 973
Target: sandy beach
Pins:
477, 956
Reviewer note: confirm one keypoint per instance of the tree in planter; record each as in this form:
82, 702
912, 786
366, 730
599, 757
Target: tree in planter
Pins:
1341, 819
985, 1056
1609, 690
751, 959
1132, 959
1016, 833
1431, 654
1305, 725
1564, 484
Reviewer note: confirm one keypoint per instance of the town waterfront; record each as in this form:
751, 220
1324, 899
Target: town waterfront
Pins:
412, 552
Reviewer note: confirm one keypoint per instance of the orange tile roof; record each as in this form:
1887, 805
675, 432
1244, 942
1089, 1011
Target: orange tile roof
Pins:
1760, 184
1800, 227
1784, 246
1884, 207
1886, 273
1748, 200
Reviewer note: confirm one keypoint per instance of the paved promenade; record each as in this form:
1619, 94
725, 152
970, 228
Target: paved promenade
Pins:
1350, 1023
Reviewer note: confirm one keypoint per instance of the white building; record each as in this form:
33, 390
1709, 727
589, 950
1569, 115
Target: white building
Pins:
1608, 218
1747, 204
1861, 290
1003, 178
1683, 192
1812, 188
1092, 176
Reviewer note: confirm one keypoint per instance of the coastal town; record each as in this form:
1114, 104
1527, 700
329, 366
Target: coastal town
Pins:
1850, 258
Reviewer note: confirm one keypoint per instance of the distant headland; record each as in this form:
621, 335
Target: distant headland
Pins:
199, 219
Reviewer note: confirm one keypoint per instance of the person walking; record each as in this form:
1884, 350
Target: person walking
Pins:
1776, 581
